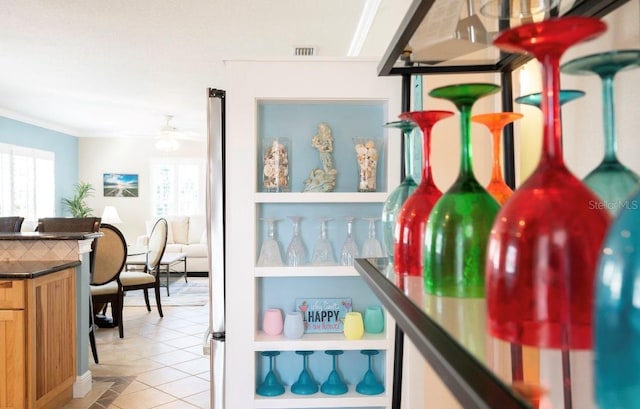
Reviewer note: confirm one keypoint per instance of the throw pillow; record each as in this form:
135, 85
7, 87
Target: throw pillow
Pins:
180, 227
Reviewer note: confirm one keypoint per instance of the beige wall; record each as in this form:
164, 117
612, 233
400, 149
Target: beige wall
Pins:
132, 155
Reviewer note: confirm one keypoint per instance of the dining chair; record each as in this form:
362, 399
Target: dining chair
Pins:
105, 285
149, 277
77, 224
11, 224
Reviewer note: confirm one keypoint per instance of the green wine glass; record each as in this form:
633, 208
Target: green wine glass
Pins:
460, 222
394, 201
612, 181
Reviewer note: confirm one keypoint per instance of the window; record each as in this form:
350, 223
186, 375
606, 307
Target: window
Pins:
178, 187
27, 182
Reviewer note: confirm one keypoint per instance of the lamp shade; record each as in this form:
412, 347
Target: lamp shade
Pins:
110, 215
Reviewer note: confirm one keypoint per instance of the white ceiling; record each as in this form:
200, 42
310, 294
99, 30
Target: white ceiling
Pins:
116, 67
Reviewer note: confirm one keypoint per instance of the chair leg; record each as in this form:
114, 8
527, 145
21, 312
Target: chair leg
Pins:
158, 304
92, 333
117, 312
146, 299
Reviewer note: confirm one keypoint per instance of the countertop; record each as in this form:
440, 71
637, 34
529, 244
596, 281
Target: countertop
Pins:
50, 236
20, 270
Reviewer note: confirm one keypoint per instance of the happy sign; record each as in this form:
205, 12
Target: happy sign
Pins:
323, 314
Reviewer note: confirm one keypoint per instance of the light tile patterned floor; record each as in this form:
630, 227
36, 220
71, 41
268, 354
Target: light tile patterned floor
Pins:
158, 363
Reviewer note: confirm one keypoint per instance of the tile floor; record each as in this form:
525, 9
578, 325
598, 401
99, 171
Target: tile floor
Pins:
158, 364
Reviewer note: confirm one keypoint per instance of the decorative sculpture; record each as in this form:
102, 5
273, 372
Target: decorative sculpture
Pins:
322, 180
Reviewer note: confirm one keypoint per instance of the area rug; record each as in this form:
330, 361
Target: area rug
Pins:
195, 292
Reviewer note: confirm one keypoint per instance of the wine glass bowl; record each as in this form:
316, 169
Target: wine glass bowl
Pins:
323, 250
399, 195
544, 243
305, 385
408, 240
349, 251
271, 386
460, 221
296, 250
372, 246
270, 255
334, 385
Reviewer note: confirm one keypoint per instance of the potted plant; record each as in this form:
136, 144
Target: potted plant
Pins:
77, 205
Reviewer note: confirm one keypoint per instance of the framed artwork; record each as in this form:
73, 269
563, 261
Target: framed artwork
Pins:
120, 185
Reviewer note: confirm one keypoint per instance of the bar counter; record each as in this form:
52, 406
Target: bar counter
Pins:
44, 316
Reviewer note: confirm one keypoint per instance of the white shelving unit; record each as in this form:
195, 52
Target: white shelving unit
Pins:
304, 81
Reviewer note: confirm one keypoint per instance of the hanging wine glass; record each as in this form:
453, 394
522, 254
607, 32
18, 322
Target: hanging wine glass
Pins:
271, 386
611, 180
496, 122
270, 250
372, 248
369, 385
322, 249
400, 194
459, 224
305, 385
334, 385
543, 247
408, 243
349, 250
296, 251
617, 313
535, 99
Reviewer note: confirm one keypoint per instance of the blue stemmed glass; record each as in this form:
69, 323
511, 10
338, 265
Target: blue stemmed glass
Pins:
305, 385
369, 385
334, 385
271, 386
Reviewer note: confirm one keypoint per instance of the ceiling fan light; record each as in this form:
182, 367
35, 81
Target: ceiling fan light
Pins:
167, 144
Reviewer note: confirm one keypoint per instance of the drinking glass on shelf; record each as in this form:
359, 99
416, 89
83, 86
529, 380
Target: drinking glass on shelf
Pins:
270, 250
349, 250
400, 194
545, 241
612, 181
369, 385
458, 226
296, 251
334, 385
322, 249
271, 386
305, 385
372, 246
496, 121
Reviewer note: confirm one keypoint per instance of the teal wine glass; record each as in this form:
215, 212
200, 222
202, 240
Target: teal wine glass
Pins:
369, 385
612, 181
617, 313
460, 222
305, 385
334, 385
400, 194
271, 386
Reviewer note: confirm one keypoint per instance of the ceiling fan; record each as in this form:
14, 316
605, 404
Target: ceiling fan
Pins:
168, 138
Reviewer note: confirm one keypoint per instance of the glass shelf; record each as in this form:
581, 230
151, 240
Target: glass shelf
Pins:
453, 346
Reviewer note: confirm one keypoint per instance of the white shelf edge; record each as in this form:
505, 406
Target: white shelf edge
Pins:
351, 399
306, 271
314, 197
321, 342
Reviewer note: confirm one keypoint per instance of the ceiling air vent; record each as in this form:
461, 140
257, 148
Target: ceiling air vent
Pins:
305, 51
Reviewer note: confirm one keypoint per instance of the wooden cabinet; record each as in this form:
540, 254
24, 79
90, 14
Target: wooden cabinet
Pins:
37, 341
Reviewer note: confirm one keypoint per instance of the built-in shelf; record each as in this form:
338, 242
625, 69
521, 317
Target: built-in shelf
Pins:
313, 197
351, 399
264, 342
306, 271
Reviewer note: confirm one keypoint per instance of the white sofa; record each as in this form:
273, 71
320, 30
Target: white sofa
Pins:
186, 235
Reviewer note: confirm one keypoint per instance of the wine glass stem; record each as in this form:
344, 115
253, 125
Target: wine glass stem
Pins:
496, 169
550, 105
408, 155
609, 119
427, 175
466, 167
